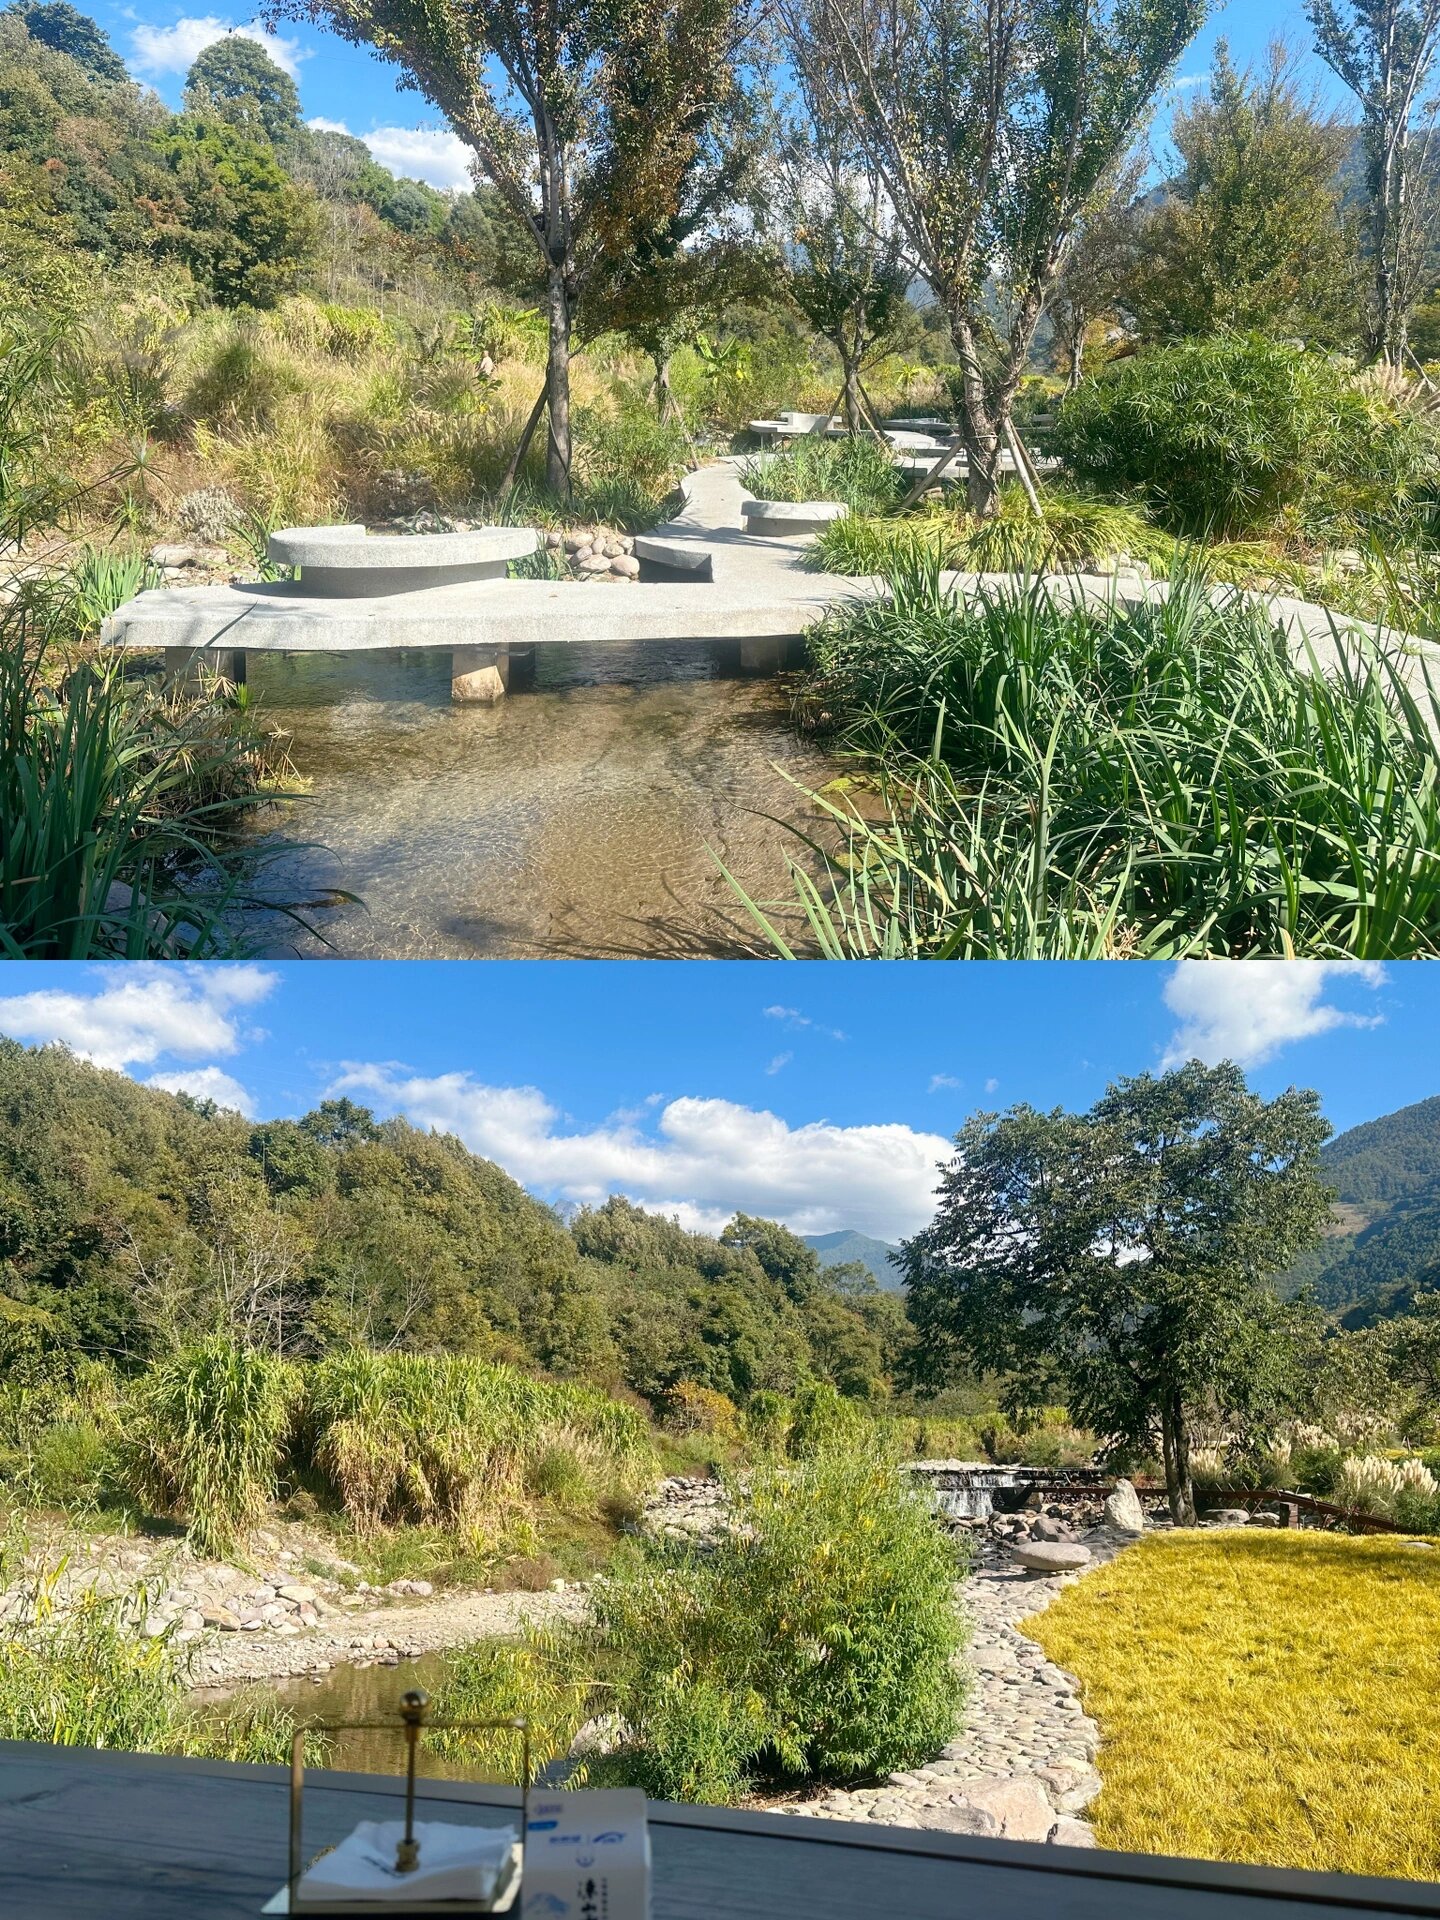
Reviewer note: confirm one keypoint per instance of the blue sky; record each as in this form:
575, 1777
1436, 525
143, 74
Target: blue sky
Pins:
344, 86
821, 1095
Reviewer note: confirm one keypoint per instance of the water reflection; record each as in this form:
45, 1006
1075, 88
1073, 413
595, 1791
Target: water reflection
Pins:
571, 819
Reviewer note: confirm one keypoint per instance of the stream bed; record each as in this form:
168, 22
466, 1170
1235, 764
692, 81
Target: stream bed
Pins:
578, 817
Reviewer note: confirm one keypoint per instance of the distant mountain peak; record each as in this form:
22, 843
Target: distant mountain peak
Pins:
841, 1248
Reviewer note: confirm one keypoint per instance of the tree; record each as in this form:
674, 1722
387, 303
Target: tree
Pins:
586, 116
1251, 232
991, 125
247, 228
1385, 51
784, 1257
848, 274
236, 81
55, 23
1097, 265
1129, 1248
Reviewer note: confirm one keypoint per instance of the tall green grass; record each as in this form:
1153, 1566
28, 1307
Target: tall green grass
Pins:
121, 803
1051, 780
442, 1439
208, 1438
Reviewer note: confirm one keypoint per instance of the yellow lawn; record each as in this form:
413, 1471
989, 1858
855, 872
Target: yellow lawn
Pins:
1264, 1697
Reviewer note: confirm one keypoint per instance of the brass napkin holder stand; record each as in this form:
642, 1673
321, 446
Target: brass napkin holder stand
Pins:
415, 1719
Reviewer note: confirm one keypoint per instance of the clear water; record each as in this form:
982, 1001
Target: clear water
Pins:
571, 819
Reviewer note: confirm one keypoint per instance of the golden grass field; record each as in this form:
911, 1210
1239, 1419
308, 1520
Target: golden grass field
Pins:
1263, 1697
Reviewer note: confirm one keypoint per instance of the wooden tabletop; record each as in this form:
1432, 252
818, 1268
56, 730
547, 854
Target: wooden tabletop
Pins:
107, 1836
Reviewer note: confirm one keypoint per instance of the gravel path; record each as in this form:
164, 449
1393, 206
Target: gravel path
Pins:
1022, 1763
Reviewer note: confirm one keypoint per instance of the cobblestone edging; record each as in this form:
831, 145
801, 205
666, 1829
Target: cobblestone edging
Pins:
1022, 1763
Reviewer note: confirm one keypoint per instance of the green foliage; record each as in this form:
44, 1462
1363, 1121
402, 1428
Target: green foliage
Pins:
206, 1442
56, 24
1059, 780
247, 229
235, 80
822, 1422
815, 1642
443, 1439
857, 470
539, 1680
1129, 1248
1222, 436
1250, 234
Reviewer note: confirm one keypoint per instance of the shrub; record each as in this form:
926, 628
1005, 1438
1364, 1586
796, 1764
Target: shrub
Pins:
691, 1408
817, 1641
443, 1439
823, 1421
542, 1680
1221, 436
79, 1675
767, 1424
207, 1439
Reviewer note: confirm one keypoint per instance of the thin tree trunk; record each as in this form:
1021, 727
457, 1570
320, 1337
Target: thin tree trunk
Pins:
854, 417
664, 396
1076, 371
1179, 1486
557, 386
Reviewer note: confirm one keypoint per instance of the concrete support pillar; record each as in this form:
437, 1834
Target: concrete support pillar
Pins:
761, 656
479, 675
186, 663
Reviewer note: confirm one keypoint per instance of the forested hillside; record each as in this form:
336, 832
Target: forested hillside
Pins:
134, 1221
1387, 1180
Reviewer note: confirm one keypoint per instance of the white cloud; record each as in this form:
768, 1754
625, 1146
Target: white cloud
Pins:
941, 1081
432, 154
699, 1158
992, 1086
792, 1017
175, 49
207, 1083
781, 1061
1246, 1010
142, 1012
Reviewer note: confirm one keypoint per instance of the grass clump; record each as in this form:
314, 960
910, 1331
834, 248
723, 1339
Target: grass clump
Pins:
1046, 779
208, 1438
858, 471
1281, 1688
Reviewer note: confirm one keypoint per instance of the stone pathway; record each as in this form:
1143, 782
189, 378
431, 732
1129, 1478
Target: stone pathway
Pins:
1022, 1763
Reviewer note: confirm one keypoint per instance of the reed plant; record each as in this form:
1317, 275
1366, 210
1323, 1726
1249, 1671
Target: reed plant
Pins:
207, 1438
445, 1439
1049, 778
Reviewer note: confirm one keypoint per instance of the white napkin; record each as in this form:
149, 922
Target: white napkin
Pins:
456, 1863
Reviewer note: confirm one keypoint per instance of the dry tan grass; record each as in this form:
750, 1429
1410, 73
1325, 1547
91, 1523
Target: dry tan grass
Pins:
1269, 1698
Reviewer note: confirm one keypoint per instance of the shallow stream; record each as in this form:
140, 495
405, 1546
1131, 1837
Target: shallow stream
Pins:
577, 817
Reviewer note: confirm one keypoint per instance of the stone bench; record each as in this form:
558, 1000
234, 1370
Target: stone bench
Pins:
781, 518
347, 563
